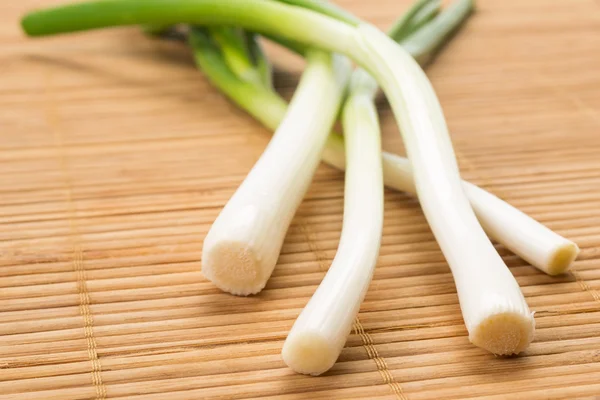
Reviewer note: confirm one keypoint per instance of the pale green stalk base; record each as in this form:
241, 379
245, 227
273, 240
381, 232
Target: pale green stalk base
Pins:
320, 332
234, 47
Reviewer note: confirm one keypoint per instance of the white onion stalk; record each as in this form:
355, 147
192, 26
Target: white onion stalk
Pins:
523, 235
242, 246
320, 332
493, 307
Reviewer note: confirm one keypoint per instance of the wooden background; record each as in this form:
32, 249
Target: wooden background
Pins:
116, 155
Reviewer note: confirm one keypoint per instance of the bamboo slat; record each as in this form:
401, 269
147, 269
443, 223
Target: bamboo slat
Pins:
116, 155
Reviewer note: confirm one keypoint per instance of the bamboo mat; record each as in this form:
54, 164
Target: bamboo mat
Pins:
116, 155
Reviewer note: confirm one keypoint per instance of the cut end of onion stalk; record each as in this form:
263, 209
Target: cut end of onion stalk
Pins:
562, 258
309, 353
233, 267
535, 243
504, 334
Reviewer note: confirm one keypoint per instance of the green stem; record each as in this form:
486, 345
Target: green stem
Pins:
234, 46
262, 103
267, 17
431, 37
424, 16
260, 59
404, 26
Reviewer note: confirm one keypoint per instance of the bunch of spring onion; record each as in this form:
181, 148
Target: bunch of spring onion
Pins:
241, 248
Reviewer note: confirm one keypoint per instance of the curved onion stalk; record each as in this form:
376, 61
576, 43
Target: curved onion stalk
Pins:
419, 14
535, 243
439, 31
242, 246
320, 332
493, 307
262, 16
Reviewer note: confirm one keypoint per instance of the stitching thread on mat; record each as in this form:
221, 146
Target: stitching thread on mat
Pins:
584, 285
382, 366
77, 263
367, 340
312, 246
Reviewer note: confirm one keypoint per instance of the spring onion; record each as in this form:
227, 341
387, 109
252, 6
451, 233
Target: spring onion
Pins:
421, 12
243, 244
242, 54
320, 332
322, 328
